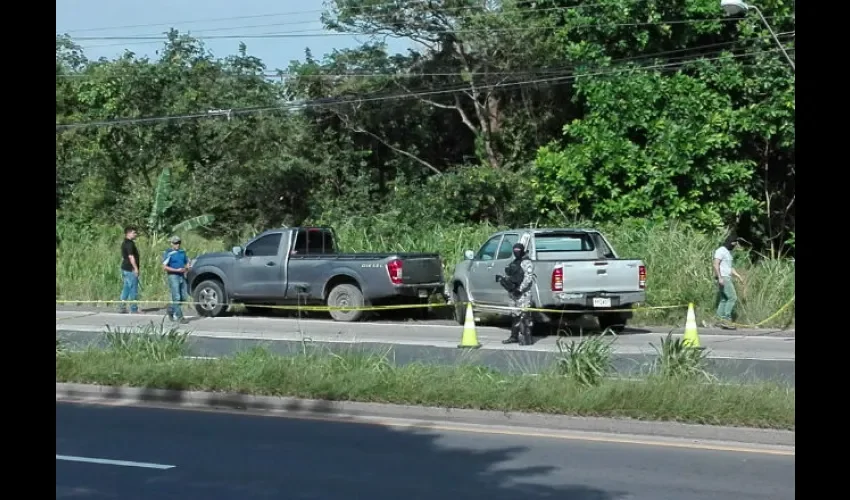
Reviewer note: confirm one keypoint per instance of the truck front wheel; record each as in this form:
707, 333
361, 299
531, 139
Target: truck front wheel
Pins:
209, 298
345, 296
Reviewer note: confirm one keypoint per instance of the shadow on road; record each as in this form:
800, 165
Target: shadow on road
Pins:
222, 455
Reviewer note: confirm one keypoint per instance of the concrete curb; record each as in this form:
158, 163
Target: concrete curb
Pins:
421, 416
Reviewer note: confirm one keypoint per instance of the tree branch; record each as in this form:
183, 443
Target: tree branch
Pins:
463, 116
456, 107
360, 130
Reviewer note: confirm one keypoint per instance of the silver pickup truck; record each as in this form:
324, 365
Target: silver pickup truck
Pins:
301, 265
575, 269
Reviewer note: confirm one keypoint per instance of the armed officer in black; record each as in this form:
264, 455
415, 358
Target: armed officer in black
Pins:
519, 276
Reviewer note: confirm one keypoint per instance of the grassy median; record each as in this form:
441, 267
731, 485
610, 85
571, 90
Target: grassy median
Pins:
579, 384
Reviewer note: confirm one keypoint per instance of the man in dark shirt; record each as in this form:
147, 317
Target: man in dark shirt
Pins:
130, 270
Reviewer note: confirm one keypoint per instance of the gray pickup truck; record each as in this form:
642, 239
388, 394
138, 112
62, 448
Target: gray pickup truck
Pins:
576, 270
300, 265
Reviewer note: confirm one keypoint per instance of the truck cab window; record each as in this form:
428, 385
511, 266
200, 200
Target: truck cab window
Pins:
488, 250
313, 241
300, 246
603, 249
330, 245
561, 243
266, 246
317, 241
506, 249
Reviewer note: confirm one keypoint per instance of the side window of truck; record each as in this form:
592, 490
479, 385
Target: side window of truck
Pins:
266, 246
488, 250
506, 249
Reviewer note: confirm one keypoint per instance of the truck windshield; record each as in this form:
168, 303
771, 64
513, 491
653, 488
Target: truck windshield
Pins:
313, 241
563, 242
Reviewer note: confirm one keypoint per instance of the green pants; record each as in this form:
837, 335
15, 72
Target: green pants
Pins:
727, 297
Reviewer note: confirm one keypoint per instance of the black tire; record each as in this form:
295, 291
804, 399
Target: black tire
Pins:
209, 298
615, 322
345, 296
257, 311
460, 299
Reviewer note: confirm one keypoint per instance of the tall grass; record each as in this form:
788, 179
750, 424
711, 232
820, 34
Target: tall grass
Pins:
678, 261
88, 263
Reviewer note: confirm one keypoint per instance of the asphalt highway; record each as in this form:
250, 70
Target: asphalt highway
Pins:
433, 334
129, 453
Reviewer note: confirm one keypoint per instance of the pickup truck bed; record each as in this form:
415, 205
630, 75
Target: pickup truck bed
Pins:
577, 271
301, 266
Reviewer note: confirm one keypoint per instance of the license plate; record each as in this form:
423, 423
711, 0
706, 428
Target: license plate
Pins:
601, 302
423, 294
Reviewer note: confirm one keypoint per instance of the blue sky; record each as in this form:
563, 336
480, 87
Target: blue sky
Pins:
215, 18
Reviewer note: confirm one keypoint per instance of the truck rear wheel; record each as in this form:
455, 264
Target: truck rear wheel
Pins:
345, 296
460, 300
209, 298
613, 321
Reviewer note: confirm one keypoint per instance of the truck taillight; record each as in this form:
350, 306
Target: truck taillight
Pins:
394, 270
642, 277
558, 279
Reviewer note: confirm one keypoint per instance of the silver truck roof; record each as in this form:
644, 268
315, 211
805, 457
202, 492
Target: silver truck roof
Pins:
541, 230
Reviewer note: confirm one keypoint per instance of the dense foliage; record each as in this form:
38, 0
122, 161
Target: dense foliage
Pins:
511, 112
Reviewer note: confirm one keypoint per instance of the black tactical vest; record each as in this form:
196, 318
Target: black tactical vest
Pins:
514, 272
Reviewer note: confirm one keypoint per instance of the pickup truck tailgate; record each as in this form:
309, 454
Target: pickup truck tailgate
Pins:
424, 269
601, 275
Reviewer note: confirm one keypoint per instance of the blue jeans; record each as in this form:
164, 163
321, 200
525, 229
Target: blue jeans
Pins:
727, 297
179, 293
130, 291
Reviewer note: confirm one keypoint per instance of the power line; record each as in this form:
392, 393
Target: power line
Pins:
311, 33
317, 11
407, 95
284, 74
296, 23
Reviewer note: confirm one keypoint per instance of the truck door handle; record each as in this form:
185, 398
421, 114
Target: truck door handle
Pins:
270, 264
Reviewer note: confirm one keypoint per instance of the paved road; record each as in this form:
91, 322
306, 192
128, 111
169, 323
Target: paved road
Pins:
217, 456
431, 334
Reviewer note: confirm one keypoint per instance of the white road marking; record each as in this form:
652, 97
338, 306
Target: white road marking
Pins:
122, 463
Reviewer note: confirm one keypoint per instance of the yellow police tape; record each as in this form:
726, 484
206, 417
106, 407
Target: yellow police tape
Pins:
318, 308
772, 316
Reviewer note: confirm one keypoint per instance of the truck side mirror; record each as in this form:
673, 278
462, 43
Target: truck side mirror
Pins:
468, 255
237, 251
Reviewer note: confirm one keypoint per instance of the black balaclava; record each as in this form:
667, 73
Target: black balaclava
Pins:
518, 250
731, 241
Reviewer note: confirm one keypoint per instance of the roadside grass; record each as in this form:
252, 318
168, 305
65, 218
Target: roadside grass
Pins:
152, 342
678, 261
574, 389
677, 361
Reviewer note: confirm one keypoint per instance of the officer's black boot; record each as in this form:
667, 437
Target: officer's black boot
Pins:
515, 329
525, 331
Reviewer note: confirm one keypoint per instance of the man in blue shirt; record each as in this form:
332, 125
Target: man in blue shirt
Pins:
175, 262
